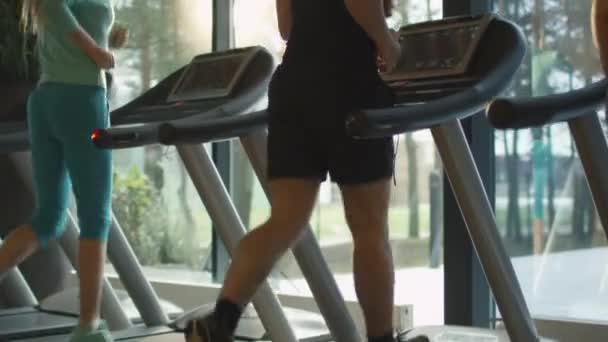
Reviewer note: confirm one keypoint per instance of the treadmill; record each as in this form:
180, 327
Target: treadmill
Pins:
219, 86
578, 108
491, 67
453, 68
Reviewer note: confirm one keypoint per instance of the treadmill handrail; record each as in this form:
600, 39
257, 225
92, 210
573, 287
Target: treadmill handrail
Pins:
514, 113
192, 132
14, 142
390, 121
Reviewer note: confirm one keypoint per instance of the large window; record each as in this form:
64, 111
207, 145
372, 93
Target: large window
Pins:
543, 205
416, 209
154, 199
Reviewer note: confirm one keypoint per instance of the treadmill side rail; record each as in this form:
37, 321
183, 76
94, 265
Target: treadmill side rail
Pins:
481, 224
593, 149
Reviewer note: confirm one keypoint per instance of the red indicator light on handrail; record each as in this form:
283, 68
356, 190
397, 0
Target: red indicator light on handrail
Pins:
96, 134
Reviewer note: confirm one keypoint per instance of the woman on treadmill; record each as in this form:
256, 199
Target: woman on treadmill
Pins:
68, 104
329, 69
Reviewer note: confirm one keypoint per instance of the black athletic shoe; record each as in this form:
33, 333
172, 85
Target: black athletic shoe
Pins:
206, 330
421, 338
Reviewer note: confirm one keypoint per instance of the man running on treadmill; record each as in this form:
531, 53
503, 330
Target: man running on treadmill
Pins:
329, 69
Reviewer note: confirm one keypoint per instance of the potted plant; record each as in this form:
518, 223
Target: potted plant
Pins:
18, 63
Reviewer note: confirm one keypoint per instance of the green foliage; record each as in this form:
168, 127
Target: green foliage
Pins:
18, 60
138, 208
145, 220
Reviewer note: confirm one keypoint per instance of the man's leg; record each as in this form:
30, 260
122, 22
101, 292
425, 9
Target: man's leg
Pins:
292, 203
366, 209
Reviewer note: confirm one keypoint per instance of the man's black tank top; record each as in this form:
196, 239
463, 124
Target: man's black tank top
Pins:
330, 61
323, 32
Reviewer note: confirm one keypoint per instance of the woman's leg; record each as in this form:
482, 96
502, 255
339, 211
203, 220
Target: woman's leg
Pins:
91, 173
18, 246
91, 260
51, 187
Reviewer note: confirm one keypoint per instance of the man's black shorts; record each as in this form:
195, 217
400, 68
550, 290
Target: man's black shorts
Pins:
299, 149
307, 131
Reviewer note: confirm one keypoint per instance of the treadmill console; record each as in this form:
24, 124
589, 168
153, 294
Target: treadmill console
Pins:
438, 49
212, 76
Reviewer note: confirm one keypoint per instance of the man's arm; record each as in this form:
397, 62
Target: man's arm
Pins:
388, 8
284, 16
599, 25
370, 15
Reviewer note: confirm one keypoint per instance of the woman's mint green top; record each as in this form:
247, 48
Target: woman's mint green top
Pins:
60, 60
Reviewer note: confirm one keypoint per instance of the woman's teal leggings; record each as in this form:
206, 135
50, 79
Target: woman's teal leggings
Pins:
61, 119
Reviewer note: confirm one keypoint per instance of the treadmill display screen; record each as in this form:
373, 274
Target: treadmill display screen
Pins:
443, 49
211, 76
437, 51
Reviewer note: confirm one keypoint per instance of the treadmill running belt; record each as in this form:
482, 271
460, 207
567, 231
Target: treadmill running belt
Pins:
35, 324
139, 333
175, 337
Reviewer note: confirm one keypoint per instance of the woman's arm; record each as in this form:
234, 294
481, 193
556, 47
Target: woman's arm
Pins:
103, 58
284, 17
370, 15
599, 24
56, 14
